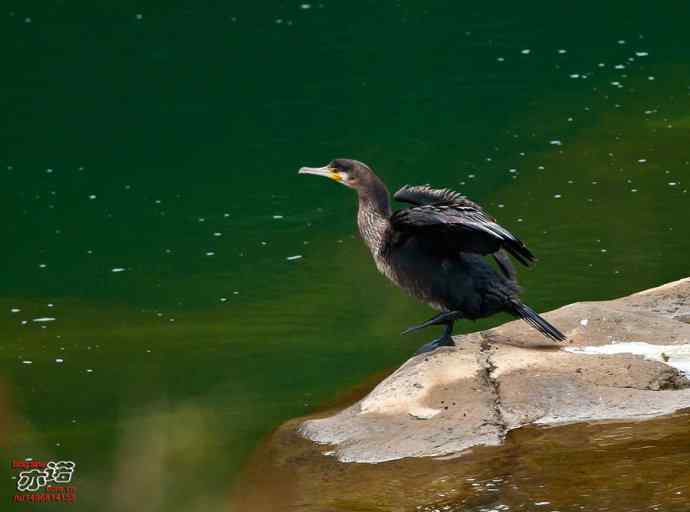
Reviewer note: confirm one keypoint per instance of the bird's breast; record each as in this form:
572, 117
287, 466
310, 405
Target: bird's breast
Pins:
432, 279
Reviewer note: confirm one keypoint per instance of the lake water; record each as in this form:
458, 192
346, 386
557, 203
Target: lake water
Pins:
157, 323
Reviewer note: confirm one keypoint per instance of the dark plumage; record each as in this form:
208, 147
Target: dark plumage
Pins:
435, 250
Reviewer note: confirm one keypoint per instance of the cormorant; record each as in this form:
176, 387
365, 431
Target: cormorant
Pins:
435, 249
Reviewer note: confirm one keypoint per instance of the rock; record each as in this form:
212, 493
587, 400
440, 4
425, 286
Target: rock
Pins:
622, 362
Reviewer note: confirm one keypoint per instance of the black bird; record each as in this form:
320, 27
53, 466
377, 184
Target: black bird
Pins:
435, 249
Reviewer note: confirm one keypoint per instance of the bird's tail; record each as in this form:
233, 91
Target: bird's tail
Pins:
532, 317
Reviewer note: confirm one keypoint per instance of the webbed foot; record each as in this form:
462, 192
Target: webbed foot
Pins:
444, 341
444, 318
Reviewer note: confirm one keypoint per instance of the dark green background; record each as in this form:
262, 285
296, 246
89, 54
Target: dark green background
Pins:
191, 119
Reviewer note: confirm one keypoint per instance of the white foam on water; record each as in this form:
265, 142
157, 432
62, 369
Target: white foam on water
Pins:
677, 356
44, 319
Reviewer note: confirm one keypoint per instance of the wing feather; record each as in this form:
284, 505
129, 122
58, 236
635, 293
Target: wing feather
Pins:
457, 226
419, 195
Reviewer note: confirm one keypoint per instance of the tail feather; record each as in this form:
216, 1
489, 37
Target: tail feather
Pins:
532, 317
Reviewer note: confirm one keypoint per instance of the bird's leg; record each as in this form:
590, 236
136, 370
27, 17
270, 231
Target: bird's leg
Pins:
444, 341
441, 318
446, 318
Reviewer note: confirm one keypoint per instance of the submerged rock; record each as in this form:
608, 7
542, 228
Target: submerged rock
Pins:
495, 381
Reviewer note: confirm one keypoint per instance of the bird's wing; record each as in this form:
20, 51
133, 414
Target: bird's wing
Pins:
419, 195
504, 264
454, 227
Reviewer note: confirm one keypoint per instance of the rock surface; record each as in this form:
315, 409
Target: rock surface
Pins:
494, 381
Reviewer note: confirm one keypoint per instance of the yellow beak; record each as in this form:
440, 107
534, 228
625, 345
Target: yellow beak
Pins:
325, 171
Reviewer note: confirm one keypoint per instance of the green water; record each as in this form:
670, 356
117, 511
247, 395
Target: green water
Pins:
165, 141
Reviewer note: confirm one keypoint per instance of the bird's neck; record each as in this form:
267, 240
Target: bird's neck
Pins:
373, 214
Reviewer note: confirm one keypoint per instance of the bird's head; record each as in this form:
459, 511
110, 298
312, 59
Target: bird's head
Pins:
350, 173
